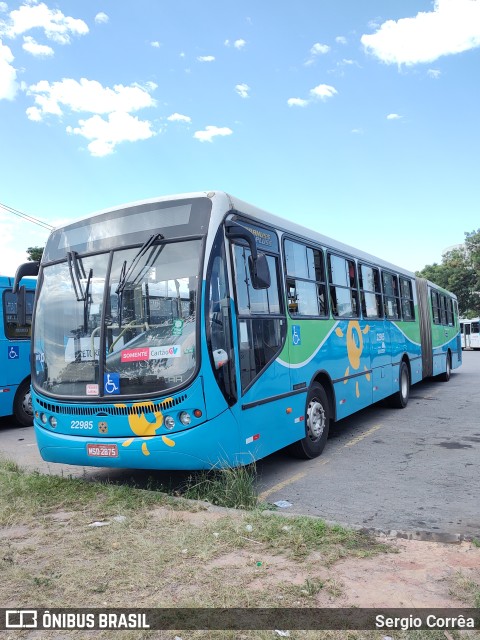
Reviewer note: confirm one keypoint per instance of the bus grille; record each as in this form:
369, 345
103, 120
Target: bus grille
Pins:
112, 410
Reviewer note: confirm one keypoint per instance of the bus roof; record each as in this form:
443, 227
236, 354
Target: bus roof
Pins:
225, 202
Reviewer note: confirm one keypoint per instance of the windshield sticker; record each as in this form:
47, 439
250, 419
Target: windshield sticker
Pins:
111, 383
135, 355
92, 390
177, 328
173, 351
82, 347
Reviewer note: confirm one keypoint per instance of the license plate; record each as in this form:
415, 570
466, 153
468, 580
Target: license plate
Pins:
102, 450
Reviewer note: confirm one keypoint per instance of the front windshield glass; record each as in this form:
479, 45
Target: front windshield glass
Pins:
148, 338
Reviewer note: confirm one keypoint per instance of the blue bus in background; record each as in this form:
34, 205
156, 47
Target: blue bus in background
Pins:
15, 334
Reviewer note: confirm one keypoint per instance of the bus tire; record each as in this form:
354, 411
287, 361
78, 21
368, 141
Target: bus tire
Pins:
445, 376
22, 405
399, 399
317, 424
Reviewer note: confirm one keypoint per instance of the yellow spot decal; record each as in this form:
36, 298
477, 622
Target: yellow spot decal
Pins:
145, 450
355, 345
127, 443
168, 441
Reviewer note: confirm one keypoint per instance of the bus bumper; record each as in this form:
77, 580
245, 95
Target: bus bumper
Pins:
212, 444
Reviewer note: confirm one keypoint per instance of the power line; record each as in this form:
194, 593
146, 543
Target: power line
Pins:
27, 217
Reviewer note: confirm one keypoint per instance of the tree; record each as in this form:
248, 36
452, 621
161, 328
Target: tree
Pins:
460, 274
35, 254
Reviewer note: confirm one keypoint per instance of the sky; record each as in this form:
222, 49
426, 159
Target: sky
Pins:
357, 119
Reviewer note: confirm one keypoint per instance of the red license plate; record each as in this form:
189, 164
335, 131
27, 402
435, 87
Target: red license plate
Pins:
102, 450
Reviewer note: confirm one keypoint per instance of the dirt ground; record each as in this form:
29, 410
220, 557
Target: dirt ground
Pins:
418, 574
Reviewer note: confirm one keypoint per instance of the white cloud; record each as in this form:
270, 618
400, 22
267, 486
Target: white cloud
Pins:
341, 40
178, 117
394, 116
89, 96
206, 58
3, 7
323, 91
55, 24
101, 18
8, 74
434, 73
211, 132
238, 44
297, 102
242, 90
106, 134
34, 113
155, 44
319, 49
31, 46
452, 27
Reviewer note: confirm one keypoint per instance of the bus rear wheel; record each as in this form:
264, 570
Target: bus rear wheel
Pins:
22, 405
399, 400
317, 424
445, 376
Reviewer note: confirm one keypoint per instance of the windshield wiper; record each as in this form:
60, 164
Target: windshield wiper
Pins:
125, 273
86, 301
77, 271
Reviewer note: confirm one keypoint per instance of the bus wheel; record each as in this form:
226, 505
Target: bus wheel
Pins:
399, 400
445, 376
317, 423
22, 405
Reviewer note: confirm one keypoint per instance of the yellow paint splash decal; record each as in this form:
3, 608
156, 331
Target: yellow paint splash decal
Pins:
144, 427
355, 346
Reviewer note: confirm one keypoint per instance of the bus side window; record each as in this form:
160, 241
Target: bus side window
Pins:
391, 296
343, 287
370, 292
261, 327
306, 289
13, 329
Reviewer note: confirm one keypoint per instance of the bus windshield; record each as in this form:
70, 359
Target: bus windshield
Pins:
121, 322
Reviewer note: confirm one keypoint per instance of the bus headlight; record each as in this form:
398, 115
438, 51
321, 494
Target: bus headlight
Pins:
185, 418
53, 422
43, 418
169, 422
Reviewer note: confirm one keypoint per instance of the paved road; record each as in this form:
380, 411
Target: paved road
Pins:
413, 470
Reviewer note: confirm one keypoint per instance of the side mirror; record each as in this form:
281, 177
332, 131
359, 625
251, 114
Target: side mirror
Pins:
25, 269
259, 271
258, 265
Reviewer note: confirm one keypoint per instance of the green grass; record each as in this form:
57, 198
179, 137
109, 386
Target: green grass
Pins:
27, 495
235, 488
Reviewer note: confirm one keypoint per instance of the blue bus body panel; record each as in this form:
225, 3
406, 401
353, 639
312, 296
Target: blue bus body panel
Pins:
183, 450
14, 353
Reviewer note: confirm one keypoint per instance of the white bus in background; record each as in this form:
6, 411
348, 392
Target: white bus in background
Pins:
470, 332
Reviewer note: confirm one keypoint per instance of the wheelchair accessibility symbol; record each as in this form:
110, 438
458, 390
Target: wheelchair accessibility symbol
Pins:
111, 383
13, 353
296, 337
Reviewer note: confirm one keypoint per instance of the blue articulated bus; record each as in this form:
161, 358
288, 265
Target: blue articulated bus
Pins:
15, 333
197, 331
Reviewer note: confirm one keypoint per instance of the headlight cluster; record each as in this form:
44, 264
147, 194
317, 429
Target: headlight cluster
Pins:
51, 420
184, 417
